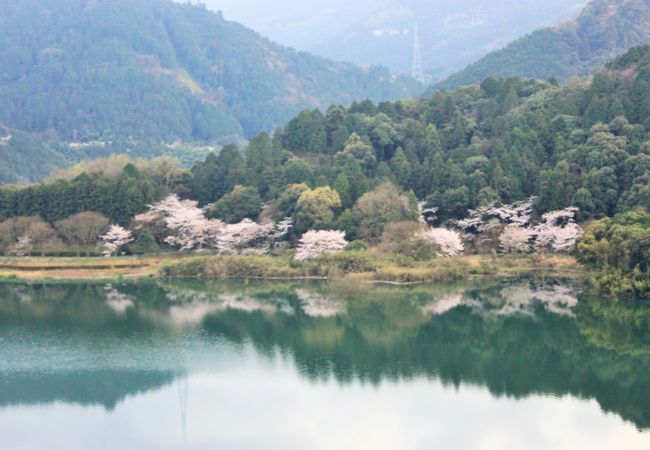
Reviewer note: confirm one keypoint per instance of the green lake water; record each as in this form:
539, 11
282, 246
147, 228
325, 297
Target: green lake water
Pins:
288, 365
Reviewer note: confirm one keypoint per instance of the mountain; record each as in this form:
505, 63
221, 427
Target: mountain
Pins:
604, 29
452, 34
158, 71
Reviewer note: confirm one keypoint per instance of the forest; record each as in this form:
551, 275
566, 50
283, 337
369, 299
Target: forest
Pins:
551, 154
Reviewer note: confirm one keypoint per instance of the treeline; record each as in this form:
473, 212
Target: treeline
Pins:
582, 144
119, 197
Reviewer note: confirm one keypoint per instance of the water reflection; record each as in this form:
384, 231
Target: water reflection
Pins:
99, 344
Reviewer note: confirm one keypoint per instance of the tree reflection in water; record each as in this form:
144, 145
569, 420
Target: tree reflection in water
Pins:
97, 344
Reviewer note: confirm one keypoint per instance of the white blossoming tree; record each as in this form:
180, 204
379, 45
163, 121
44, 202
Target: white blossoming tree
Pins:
558, 231
519, 213
189, 227
232, 238
316, 243
516, 239
448, 242
23, 246
115, 238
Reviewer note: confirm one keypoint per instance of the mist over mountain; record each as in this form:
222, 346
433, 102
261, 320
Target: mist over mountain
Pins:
604, 29
302, 25
452, 34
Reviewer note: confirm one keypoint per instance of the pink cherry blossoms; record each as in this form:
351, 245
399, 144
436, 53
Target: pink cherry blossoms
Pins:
316, 243
448, 242
190, 229
115, 238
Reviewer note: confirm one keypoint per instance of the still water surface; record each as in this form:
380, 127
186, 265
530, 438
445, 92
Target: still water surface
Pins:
307, 366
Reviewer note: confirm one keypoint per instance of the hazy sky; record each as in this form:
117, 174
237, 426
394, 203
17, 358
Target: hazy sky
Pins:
298, 23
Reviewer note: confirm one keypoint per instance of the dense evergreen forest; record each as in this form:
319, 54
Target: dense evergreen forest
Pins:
604, 30
148, 72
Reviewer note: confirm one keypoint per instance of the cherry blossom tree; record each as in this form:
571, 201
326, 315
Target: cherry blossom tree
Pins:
517, 239
191, 230
316, 243
558, 231
519, 213
232, 238
115, 238
449, 242
23, 246
189, 227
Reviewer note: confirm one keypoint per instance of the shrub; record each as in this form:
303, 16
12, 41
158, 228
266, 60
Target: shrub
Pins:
356, 246
403, 238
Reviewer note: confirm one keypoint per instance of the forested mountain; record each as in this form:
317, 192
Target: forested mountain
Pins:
158, 71
605, 29
452, 34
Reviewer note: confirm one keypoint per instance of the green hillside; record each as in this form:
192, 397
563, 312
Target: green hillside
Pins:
158, 71
23, 158
605, 29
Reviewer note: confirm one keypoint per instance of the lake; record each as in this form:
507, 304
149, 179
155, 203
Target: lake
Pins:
300, 365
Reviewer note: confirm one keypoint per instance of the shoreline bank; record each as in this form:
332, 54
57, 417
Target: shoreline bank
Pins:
360, 267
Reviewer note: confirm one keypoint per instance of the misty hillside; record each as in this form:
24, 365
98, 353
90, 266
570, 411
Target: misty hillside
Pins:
605, 29
154, 70
452, 34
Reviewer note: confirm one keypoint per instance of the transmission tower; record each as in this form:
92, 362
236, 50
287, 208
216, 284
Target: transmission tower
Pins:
418, 72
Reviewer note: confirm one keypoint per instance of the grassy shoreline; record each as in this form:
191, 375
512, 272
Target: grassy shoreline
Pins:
363, 267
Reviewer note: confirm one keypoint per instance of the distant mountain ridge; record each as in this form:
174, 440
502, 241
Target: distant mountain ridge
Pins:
158, 71
604, 29
452, 34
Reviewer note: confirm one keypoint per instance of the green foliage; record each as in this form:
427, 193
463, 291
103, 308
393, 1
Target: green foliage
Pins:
619, 249
315, 209
380, 207
356, 246
242, 203
119, 198
145, 244
401, 238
